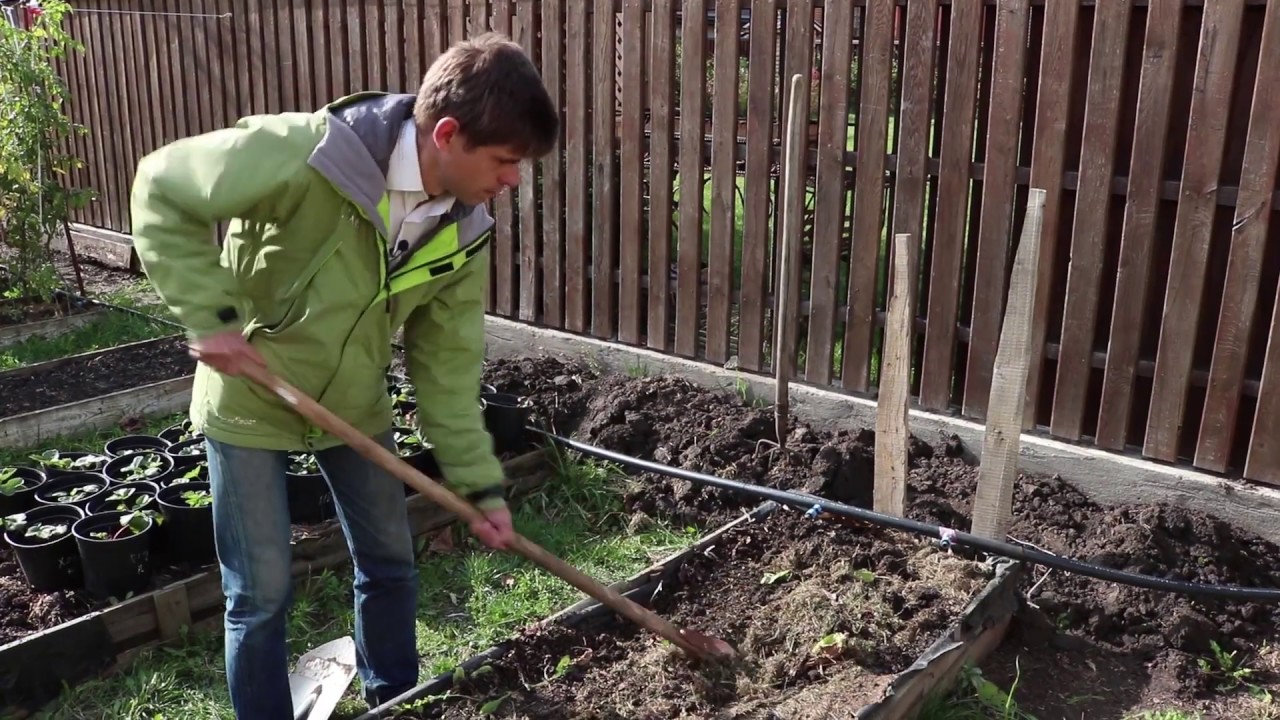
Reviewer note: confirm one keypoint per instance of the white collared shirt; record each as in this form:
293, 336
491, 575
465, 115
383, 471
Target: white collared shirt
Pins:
412, 213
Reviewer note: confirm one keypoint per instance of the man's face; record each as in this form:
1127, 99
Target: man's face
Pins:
473, 174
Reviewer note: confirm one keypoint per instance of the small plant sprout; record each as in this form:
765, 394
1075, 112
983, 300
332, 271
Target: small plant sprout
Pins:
40, 531
197, 498
1229, 671
192, 473
76, 494
10, 482
14, 522
128, 500
143, 467
133, 523
303, 464
54, 459
408, 443
190, 450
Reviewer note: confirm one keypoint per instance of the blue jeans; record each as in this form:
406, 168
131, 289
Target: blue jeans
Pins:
251, 531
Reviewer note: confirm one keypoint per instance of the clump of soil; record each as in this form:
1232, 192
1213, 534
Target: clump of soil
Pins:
98, 375
1172, 631
557, 389
24, 611
823, 616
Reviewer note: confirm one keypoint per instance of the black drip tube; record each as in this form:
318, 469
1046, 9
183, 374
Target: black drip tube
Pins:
815, 506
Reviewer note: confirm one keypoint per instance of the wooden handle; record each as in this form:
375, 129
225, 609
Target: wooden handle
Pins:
437, 493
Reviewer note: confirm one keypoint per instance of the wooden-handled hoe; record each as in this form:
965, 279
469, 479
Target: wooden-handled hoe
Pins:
693, 643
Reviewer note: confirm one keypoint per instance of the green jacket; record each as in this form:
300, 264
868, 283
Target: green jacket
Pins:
306, 272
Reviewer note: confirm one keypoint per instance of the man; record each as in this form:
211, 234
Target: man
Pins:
344, 224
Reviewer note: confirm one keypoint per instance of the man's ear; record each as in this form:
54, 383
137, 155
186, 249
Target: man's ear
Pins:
445, 132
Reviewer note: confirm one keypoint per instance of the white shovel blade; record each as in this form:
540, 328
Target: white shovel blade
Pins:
321, 677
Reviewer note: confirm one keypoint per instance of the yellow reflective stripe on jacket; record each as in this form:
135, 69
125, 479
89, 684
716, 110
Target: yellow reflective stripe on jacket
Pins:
439, 257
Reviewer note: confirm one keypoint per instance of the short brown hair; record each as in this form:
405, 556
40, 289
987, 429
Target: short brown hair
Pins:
491, 87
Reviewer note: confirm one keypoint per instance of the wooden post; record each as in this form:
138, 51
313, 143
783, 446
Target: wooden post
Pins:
895, 384
993, 504
784, 337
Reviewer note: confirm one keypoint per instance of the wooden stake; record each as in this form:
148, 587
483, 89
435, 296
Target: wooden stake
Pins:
785, 307
993, 504
895, 384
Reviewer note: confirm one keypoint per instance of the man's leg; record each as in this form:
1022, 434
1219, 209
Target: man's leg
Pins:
371, 508
251, 532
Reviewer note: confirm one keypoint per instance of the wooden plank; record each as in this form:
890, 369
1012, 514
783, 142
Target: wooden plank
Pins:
78, 357
505, 255
661, 124
104, 411
1057, 66
693, 53
758, 191
35, 668
552, 189
1155, 91
98, 53
458, 22
993, 501
797, 58
915, 120
724, 131
604, 215
417, 58
868, 198
829, 188
1210, 107
131, 137
173, 613
895, 384
478, 17
576, 239
530, 287
997, 201
100, 244
1248, 243
960, 101
1092, 213
13, 334
631, 187
320, 47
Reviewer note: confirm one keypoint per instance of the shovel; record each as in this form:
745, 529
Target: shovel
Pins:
693, 643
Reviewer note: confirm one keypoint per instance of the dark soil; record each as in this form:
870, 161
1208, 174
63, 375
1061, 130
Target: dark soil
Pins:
673, 421
23, 611
843, 611
79, 379
19, 312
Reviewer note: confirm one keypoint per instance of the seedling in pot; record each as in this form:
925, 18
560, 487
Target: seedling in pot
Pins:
126, 499
409, 443
88, 462
191, 474
132, 523
303, 464
75, 494
38, 531
143, 467
197, 498
10, 481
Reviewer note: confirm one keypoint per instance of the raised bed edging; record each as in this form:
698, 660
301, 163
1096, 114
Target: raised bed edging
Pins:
97, 413
14, 334
970, 638
34, 668
1107, 478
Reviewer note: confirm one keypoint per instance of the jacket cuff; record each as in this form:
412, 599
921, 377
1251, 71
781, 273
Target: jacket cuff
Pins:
491, 498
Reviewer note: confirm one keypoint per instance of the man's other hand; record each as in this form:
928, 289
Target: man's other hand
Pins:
496, 530
227, 352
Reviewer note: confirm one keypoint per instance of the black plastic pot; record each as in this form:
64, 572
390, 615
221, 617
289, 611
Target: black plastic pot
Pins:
24, 498
103, 502
119, 564
179, 432
487, 389
117, 470
49, 565
505, 417
188, 452
134, 443
47, 493
190, 528
310, 499
197, 472
85, 462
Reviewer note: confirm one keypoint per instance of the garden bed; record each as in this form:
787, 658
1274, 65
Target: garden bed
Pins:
23, 325
717, 431
90, 375
825, 616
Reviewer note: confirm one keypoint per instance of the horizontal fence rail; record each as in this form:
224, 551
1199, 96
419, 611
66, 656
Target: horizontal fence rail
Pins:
1152, 125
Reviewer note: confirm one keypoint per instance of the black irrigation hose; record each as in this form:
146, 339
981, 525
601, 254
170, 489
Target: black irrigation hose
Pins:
815, 505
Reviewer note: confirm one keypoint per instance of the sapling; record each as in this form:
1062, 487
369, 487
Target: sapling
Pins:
127, 500
191, 474
133, 523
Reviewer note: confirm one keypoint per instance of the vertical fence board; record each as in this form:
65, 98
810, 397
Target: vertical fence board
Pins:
724, 132
433, 29
631, 205
868, 196
661, 177
1052, 112
137, 119
997, 201
1093, 199
796, 50
576, 239
308, 76
458, 21
758, 182
552, 171
693, 51
1211, 100
914, 120
1248, 241
829, 187
1164, 18
525, 31
604, 249
505, 257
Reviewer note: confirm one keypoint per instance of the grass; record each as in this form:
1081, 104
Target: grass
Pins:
469, 599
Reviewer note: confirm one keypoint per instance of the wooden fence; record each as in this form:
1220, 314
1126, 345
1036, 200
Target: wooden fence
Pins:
1141, 118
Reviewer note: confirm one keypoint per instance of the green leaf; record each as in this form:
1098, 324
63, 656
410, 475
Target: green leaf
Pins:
492, 706
771, 578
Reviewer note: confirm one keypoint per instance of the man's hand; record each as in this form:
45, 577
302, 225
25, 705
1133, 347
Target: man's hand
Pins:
227, 352
496, 530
